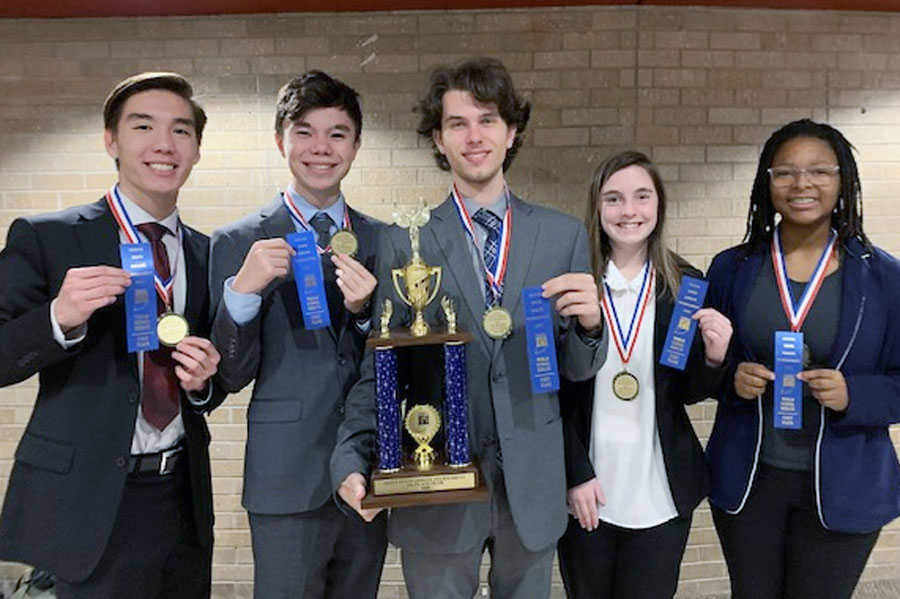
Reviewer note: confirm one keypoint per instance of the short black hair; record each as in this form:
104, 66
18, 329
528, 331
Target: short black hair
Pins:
489, 83
316, 89
847, 218
172, 82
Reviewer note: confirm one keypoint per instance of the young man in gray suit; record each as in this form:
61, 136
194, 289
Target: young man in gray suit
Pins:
475, 120
303, 545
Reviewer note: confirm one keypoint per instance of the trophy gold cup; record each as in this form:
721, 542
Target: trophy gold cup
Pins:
421, 401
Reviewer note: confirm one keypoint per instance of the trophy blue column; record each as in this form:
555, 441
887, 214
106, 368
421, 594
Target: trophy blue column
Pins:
456, 404
387, 409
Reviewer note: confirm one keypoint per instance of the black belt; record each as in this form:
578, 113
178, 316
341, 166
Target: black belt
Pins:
160, 463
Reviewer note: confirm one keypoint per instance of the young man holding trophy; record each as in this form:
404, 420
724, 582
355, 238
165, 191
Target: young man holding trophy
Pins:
502, 261
295, 283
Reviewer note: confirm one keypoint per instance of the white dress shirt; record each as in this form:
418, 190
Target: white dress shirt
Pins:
625, 449
146, 439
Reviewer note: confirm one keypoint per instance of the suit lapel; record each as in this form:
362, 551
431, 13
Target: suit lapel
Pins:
855, 281
447, 235
195, 276
523, 239
276, 221
97, 236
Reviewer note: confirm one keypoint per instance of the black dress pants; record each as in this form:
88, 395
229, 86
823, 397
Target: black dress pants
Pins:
622, 563
776, 547
152, 552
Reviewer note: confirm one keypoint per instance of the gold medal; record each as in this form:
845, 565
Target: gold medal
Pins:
171, 328
497, 322
625, 386
344, 242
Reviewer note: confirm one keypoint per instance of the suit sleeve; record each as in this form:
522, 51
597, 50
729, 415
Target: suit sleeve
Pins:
26, 336
355, 447
875, 397
576, 400
239, 345
580, 358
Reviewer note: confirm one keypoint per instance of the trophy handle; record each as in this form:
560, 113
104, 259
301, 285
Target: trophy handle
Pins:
396, 273
437, 272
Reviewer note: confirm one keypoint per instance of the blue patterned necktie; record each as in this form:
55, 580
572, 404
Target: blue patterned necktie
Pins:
491, 223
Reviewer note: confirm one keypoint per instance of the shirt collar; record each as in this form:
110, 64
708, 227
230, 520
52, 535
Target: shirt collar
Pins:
335, 211
617, 281
139, 216
498, 206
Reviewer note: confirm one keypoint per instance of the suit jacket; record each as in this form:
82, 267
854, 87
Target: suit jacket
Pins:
686, 469
302, 376
527, 427
70, 465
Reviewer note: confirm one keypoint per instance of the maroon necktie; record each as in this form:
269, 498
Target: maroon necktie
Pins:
159, 392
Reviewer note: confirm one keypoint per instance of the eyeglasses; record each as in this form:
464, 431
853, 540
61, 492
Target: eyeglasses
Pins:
785, 176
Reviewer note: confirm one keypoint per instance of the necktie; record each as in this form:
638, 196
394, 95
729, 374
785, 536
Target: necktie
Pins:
491, 223
321, 224
159, 389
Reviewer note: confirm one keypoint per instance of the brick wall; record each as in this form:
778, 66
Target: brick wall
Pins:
699, 89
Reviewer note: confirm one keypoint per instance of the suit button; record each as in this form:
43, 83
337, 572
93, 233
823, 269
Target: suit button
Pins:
120, 462
342, 361
497, 377
339, 409
133, 397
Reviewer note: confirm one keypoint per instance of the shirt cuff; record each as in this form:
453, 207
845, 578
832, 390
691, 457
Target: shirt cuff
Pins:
363, 325
77, 334
585, 337
198, 399
242, 307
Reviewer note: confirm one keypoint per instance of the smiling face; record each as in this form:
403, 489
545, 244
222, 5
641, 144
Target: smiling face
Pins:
319, 147
803, 202
155, 144
474, 138
628, 208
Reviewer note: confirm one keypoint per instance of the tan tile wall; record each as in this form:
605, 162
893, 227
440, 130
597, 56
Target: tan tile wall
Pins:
699, 89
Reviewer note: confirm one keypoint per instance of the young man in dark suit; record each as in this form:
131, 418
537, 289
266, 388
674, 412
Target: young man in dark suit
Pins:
110, 490
476, 120
303, 545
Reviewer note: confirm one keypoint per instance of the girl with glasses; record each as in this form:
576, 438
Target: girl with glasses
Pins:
804, 474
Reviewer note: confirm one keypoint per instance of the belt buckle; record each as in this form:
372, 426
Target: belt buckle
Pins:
167, 460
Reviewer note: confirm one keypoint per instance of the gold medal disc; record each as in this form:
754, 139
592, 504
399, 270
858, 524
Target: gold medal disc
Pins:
625, 386
423, 422
497, 322
171, 328
344, 242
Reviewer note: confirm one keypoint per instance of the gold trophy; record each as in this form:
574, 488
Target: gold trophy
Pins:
422, 282
422, 432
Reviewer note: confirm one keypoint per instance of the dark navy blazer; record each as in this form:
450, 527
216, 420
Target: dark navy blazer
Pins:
856, 476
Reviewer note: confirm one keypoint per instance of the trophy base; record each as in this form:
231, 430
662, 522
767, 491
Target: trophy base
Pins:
441, 484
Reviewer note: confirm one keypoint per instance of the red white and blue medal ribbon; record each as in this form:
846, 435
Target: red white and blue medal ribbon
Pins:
798, 311
625, 344
120, 213
300, 220
496, 277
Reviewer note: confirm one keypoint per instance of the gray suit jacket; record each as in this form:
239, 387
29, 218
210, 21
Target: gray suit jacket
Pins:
544, 244
302, 376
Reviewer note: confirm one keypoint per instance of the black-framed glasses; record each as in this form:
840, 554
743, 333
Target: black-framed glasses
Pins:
785, 176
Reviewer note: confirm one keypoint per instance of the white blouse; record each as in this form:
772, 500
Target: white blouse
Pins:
625, 449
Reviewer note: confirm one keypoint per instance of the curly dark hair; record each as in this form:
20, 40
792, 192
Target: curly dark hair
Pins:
316, 89
847, 218
489, 83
